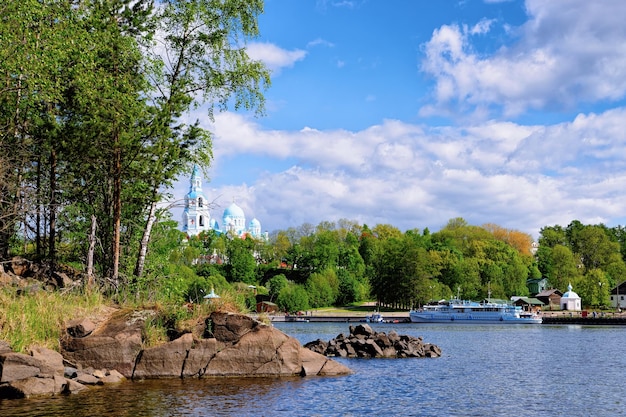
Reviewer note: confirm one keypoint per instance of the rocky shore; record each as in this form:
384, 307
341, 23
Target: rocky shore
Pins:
363, 342
232, 345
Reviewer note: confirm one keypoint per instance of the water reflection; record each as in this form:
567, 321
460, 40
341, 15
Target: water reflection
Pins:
484, 370
188, 397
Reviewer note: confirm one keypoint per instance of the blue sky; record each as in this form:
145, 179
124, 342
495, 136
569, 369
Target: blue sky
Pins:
413, 112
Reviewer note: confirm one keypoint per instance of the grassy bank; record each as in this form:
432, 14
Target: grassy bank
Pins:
37, 319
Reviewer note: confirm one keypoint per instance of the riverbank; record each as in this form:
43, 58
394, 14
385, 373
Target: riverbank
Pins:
584, 317
550, 317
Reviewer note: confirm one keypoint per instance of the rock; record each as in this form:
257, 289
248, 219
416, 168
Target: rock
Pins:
227, 327
112, 377
113, 346
61, 280
5, 347
20, 266
99, 373
200, 354
51, 362
363, 342
80, 327
87, 379
236, 345
15, 366
163, 361
31, 386
362, 329
257, 353
109, 354
70, 372
73, 387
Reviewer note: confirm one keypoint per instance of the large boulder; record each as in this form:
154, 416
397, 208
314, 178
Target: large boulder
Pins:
233, 345
114, 345
40, 373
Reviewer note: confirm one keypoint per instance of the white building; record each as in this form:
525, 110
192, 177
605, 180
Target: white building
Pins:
197, 218
617, 296
570, 300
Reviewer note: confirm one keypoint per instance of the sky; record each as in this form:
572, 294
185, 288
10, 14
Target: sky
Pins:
414, 112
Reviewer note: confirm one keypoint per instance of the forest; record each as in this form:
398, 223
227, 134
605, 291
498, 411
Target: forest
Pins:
343, 262
94, 129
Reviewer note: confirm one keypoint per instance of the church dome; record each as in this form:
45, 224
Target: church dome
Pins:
255, 223
233, 211
570, 293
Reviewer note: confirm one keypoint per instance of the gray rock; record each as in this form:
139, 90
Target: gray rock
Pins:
363, 342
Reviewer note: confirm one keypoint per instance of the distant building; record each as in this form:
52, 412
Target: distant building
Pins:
528, 303
550, 298
570, 300
617, 296
197, 217
536, 286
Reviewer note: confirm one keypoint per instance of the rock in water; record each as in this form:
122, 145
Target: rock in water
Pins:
363, 342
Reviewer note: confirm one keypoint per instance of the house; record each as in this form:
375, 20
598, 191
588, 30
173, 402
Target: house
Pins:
264, 304
528, 303
266, 307
550, 298
535, 286
617, 296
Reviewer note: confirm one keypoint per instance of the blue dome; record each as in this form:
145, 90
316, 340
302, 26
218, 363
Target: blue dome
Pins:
233, 211
255, 223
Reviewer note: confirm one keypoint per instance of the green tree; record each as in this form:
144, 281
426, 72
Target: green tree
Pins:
240, 265
276, 285
293, 298
593, 288
564, 268
322, 288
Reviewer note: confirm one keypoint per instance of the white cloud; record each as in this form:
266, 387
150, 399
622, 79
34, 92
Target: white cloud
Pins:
568, 51
320, 41
273, 57
517, 176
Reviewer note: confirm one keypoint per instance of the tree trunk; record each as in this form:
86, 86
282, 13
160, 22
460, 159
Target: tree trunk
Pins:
117, 206
53, 209
143, 247
92, 246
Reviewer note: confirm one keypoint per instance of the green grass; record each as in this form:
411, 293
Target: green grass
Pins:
362, 308
38, 319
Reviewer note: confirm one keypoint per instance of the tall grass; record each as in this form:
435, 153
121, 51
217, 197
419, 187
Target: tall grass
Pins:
38, 319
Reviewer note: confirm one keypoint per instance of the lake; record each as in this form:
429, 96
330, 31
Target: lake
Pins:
547, 370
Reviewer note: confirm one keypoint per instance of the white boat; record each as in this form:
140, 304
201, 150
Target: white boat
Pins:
461, 311
374, 318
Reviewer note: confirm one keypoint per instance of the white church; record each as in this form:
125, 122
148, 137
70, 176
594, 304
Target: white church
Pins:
197, 218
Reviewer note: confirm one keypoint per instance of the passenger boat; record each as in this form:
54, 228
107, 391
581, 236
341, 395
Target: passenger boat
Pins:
461, 311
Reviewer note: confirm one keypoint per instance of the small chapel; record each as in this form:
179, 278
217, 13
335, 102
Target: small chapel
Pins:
197, 217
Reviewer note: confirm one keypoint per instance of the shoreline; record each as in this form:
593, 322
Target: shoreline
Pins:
550, 317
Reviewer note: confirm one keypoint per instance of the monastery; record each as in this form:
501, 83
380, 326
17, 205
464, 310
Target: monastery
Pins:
197, 218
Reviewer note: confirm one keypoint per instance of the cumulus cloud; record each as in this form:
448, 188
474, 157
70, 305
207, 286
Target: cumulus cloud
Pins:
273, 57
568, 51
519, 176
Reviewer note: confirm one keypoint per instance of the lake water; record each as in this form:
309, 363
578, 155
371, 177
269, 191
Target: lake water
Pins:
485, 370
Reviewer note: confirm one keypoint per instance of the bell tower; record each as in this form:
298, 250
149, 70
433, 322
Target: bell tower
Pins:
196, 216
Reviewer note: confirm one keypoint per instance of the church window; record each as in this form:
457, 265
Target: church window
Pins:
200, 202
201, 221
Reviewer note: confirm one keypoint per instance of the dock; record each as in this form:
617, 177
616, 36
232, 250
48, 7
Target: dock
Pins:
401, 317
589, 320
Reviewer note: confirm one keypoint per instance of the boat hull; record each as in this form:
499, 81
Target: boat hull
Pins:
418, 317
